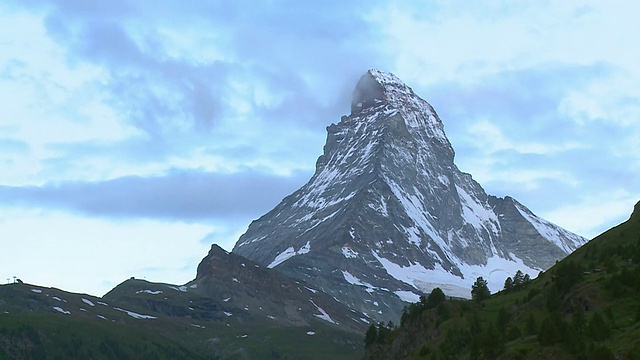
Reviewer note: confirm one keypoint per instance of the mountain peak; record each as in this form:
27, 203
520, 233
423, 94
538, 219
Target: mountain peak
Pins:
385, 78
388, 216
374, 88
379, 92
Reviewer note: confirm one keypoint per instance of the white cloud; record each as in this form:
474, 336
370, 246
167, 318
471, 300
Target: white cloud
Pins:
463, 41
489, 138
595, 213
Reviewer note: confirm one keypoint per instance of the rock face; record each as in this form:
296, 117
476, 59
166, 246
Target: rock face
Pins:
243, 287
388, 216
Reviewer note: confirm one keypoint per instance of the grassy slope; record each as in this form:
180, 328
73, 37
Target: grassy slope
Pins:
554, 316
51, 336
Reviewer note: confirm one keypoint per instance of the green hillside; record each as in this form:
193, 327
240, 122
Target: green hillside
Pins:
587, 306
47, 323
48, 336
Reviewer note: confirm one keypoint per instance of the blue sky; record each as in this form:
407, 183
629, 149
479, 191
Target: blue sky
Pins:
133, 135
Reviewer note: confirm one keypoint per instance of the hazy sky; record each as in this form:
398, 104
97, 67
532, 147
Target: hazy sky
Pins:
135, 134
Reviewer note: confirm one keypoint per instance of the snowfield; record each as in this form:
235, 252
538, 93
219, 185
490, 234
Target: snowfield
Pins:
425, 280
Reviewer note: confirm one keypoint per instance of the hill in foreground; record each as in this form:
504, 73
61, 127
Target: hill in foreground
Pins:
233, 309
584, 307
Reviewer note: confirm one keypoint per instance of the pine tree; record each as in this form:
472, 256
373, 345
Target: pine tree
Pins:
508, 283
435, 298
371, 335
518, 279
480, 290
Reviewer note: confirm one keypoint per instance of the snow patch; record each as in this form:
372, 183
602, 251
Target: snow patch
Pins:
477, 215
152, 292
351, 279
311, 332
323, 314
443, 180
414, 236
349, 253
407, 296
88, 302
312, 290
305, 249
136, 315
59, 309
179, 288
37, 291
288, 254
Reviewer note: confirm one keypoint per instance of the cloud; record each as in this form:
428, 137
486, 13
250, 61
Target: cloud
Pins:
13, 146
164, 86
173, 84
178, 196
510, 119
596, 213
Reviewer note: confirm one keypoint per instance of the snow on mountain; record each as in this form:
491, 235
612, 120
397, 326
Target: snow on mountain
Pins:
289, 253
388, 214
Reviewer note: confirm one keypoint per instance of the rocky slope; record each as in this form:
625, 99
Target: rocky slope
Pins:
246, 287
388, 216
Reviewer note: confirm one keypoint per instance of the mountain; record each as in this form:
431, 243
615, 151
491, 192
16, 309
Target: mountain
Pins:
233, 309
388, 216
584, 307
